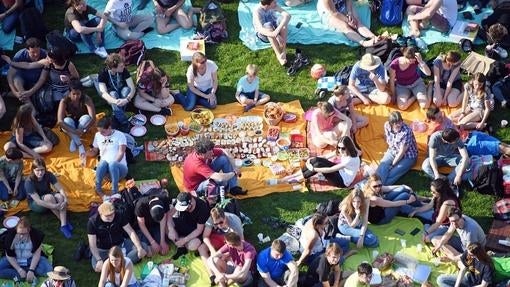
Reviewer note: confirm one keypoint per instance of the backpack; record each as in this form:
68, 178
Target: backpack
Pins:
394, 53
32, 24
382, 49
501, 209
58, 44
133, 52
125, 206
45, 106
329, 207
342, 76
488, 180
213, 23
391, 13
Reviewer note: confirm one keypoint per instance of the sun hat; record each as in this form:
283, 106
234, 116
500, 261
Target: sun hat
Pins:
369, 62
183, 201
106, 208
59, 273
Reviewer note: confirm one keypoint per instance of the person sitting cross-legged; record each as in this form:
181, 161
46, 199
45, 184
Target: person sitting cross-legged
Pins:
117, 270
234, 262
152, 213
440, 14
367, 81
276, 266
326, 269
362, 277
247, 92
59, 277
127, 25
11, 175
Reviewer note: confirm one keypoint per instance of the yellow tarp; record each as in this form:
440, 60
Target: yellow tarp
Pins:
253, 178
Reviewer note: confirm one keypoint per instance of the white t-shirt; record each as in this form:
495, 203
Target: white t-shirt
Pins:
132, 280
109, 146
120, 10
202, 82
449, 10
349, 171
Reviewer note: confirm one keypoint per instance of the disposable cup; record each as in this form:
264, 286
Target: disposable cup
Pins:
419, 248
374, 254
403, 243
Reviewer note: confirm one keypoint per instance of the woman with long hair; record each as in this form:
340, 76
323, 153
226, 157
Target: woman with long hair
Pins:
353, 220
436, 211
313, 242
447, 86
327, 125
27, 134
45, 192
339, 168
476, 104
202, 80
385, 201
476, 269
406, 84
153, 89
343, 102
117, 270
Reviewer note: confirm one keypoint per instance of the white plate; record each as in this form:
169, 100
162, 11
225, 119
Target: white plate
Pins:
138, 131
158, 120
138, 120
11, 221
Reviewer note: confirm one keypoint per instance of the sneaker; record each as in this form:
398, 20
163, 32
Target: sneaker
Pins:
66, 232
247, 108
72, 146
100, 53
180, 251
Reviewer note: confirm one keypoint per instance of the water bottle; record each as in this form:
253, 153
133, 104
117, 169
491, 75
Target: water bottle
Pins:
166, 277
222, 193
422, 45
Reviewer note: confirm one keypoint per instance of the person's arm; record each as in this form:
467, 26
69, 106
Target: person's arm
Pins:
162, 235
141, 224
60, 189
38, 85
37, 199
73, 71
170, 10
206, 239
444, 239
17, 182
170, 225
214, 76
127, 275
465, 101
306, 249
464, 162
355, 90
92, 238
136, 241
338, 272
241, 273
5, 181
121, 153
422, 65
451, 79
437, 85
146, 96
104, 275
462, 272
61, 114
380, 82
26, 65
268, 280
486, 113
433, 163
284, 21
18, 134
91, 111
17, 5
15, 265
379, 201
392, 82
191, 86
400, 154
131, 85
105, 95
441, 216
195, 233
422, 208
331, 169
429, 10
36, 256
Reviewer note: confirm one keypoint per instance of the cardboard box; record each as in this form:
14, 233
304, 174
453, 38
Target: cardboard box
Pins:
188, 47
464, 30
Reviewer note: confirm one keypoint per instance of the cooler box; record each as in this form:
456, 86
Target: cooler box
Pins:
188, 47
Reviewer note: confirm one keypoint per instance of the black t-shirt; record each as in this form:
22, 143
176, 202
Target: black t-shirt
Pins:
186, 222
114, 82
41, 187
72, 14
108, 234
319, 271
142, 209
481, 271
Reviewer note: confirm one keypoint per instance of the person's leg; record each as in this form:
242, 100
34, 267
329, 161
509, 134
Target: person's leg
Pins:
379, 97
75, 139
391, 212
427, 168
119, 112
275, 44
470, 120
440, 23
222, 163
341, 26
188, 101
62, 213
184, 19
383, 170
446, 280
164, 25
126, 34
454, 162
371, 239
4, 193
10, 21
404, 97
359, 120
414, 25
343, 242
419, 89
454, 98
263, 99
22, 193
141, 22
6, 270
362, 29
43, 267
205, 102
101, 170
117, 172
143, 104
399, 170
497, 91
131, 251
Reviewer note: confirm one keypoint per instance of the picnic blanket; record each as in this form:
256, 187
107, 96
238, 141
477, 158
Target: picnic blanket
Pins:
312, 30
253, 178
431, 36
47, 249
7, 40
390, 242
152, 39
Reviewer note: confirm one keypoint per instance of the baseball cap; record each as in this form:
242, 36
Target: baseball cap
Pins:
183, 201
156, 209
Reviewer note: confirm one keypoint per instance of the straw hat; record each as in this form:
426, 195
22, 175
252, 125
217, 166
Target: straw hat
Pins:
369, 62
59, 273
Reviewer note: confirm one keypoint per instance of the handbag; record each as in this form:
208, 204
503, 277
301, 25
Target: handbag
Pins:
476, 63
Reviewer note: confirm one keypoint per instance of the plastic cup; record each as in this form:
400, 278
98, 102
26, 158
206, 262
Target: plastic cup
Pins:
504, 123
260, 236
184, 130
374, 254
419, 247
403, 243
238, 162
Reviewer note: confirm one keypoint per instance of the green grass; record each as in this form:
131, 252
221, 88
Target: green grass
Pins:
232, 57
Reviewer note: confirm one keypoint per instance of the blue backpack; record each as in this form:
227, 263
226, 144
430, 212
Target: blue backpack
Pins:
391, 12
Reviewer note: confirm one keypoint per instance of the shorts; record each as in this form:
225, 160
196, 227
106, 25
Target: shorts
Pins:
418, 87
457, 84
324, 14
251, 96
36, 207
31, 140
479, 143
269, 25
438, 22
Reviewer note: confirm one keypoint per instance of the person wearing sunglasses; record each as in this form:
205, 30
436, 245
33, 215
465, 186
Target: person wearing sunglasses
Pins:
340, 168
59, 277
218, 224
468, 231
202, 81
402, 150
386, 201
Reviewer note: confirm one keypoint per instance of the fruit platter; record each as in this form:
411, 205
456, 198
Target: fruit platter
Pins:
202, 116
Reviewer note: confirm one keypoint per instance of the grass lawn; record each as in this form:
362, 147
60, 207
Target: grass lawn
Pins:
232, 58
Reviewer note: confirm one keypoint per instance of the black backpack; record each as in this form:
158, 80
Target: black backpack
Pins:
329, 207
125, 206
342, 76
394, 53
382, 49
489, 180
32, 24
57, 44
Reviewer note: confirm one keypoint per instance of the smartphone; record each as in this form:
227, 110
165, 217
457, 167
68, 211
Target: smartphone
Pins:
467, 15
415, 231
299, 24
400, 232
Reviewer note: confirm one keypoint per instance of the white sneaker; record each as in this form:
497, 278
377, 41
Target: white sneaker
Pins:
101, 52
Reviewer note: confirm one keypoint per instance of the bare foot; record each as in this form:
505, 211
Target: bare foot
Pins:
282, 58
368, 43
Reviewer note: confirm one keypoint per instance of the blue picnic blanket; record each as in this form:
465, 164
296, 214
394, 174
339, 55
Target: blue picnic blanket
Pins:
152, 40
431, 36
7, 40
312, 30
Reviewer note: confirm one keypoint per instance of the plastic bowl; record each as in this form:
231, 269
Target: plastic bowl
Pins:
172, 129
283, 143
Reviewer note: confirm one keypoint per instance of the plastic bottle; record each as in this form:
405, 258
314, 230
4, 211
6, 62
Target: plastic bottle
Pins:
222, 193
422, 45
166, 278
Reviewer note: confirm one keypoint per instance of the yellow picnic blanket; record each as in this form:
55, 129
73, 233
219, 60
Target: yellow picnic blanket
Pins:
371, 138
253, 178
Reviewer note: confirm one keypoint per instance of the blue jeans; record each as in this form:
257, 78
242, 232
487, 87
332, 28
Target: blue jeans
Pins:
82, 122
110, 284
8, 272
119, 113
441, 160
390, 174
190, 100
87, 38
448, 280
394, 195
370, 239
116, 170
10, 21
424, 216
499, 91
4, 193
221, 163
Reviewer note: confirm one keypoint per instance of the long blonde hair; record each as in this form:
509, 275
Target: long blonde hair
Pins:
346, 204
367, 189
116, 252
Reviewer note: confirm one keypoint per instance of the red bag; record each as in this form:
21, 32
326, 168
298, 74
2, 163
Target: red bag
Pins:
133, 52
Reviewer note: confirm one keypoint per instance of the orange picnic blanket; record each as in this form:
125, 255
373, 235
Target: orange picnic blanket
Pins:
371, 138
253, 178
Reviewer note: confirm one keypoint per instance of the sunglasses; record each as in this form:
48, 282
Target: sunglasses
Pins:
341, 148
376, 185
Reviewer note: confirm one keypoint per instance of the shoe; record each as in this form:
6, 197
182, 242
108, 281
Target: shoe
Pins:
247, 108
304, 59
503, 104
66, 232
101, 53
72, 146
71, 228
237, 190
180, 251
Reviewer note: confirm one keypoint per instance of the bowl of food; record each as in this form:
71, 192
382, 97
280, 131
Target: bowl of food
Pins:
283, 143
289, 117
273, 113
172, 129
202, 116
